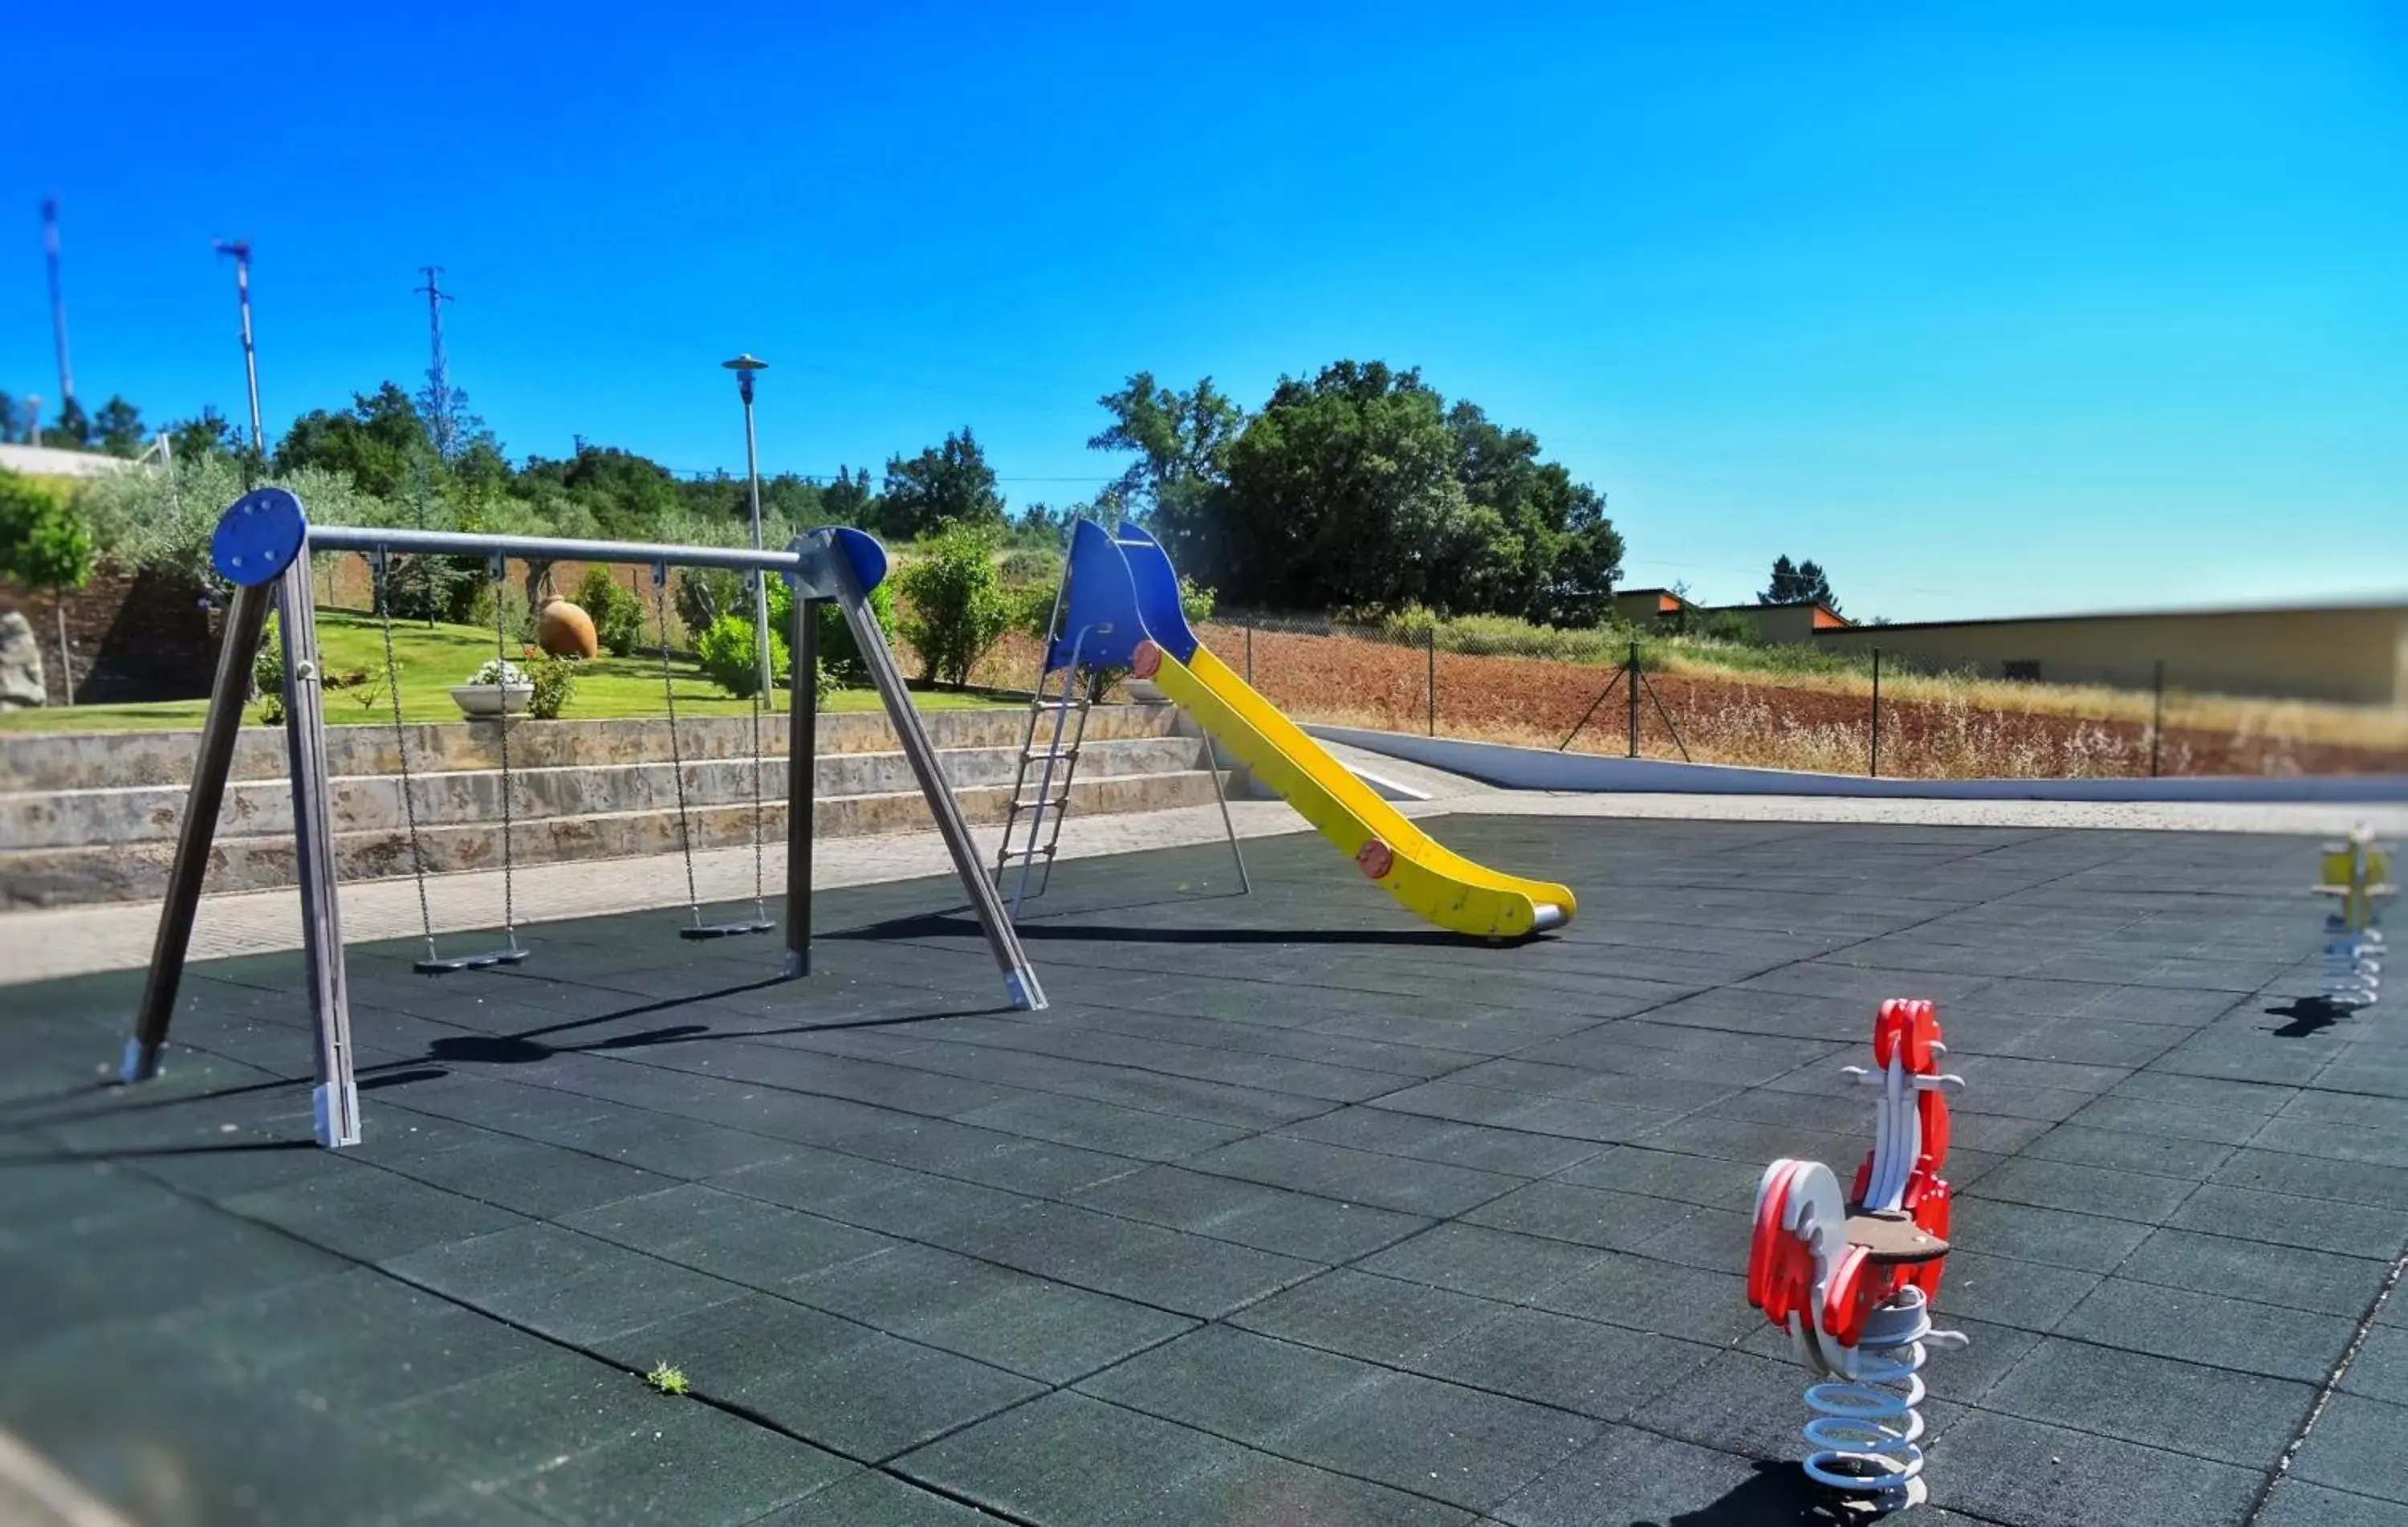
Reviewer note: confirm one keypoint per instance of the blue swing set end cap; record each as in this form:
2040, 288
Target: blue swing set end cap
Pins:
862, 552
258, 537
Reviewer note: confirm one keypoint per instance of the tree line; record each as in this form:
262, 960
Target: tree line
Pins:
1359, 487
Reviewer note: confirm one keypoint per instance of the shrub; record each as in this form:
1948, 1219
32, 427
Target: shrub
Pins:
729, 656
618, 614
701, 594
959, 610
1020, 568
1195, 603
555, 682
838, 654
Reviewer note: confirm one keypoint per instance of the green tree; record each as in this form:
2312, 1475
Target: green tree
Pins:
206, 435
120, 428
850, 500
1549, 554
1181, 442
1342, 492
45, 543
70, 431
948, 482
380, 444
1799, 584
627, 495
954, 608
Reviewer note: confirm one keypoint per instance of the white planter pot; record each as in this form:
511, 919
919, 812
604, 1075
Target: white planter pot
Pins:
491, 700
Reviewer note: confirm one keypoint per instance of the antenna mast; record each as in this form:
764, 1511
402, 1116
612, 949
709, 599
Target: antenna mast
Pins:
58, 299
439, 378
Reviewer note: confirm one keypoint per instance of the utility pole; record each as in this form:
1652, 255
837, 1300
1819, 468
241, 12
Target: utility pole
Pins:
58, 299
240, 250
744, 366
438, 379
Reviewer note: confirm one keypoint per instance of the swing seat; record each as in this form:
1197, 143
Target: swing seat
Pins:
727, 930
446, 964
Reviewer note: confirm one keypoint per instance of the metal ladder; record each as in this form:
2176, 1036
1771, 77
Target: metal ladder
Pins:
1055, 765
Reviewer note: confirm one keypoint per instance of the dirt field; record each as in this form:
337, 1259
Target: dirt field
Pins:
1929, 732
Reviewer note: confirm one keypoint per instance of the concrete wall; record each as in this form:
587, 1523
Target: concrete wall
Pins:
2354, 654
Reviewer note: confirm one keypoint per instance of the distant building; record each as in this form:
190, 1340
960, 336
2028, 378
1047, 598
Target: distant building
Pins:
2354, 654
1788, 622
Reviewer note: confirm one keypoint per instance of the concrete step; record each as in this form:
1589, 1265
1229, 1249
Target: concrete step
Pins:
136, 813
138, 871
47, 761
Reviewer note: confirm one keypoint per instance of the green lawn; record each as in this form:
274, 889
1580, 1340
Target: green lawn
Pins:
433, 658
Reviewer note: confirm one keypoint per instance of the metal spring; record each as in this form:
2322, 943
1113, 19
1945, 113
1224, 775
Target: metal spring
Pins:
1868, 1430
2353, 964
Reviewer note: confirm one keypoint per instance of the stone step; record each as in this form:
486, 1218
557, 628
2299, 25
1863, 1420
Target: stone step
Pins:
50, 761
151, 812
138, 871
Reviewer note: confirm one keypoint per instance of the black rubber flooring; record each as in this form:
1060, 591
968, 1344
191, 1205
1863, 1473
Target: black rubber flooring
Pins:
1288, 1211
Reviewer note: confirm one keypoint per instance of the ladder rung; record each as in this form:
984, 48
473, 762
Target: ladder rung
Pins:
1044, 853
1060, 704
1033, 754
1050, 803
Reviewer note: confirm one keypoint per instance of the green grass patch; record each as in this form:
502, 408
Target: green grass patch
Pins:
433, 658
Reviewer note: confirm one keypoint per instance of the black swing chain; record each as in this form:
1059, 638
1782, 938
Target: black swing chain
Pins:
677, 761
500, 570
379, 561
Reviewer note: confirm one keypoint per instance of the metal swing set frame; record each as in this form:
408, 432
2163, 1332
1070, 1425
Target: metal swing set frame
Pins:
263, 546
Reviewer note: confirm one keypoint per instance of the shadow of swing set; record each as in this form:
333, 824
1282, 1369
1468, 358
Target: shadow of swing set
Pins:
263, 544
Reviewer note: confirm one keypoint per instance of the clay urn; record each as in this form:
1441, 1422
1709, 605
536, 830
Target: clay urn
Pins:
564, 630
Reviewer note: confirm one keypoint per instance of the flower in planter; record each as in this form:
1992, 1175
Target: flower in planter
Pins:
509, 675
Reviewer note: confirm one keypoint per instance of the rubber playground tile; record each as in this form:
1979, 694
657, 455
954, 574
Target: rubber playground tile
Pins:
2053, 1237
1627, 1478
2294, 1503
1596, 1370
2376, 1185
2238, 1419
896, 1200
352, 1341
1355, 1176
739, 1239
1464, 1446
692, 1464
1250, 1214
526, 1176
1070, 1458
867, 1498
2210, 1329
572, 1288
2379, 1369
844, 1386
1234, 1383
2003, 1468
2317, 1224
1577, 1119
2048, 1184
2356, 1446
1416, 1138
2283, 1275
2120, 1112
167, 1259
2353, 1141
477, 1429
1360, 1315
1738, 1402
367, 1214
2029, 1296
2121, 1150
1493, 1264
996, 1315
1591, 1217
1168, 1269
1103, 1125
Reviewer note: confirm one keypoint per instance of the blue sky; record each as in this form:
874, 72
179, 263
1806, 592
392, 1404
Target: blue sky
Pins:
2100, 307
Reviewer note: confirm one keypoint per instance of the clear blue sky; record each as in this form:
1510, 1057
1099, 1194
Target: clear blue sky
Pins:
1989, 316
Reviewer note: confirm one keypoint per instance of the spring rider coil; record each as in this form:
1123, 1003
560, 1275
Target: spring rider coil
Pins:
2356, 872
1852, 1278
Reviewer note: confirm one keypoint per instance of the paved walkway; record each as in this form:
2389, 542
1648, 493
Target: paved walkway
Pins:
68, 941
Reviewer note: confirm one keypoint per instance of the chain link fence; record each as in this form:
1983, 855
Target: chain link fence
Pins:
1876, 713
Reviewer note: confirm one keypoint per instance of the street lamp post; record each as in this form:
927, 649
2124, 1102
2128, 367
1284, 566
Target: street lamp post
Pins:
744, 366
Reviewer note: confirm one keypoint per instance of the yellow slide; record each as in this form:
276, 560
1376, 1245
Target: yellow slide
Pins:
1444, 886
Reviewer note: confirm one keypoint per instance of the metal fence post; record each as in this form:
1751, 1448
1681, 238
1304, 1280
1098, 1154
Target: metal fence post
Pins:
1433, 681
1632, 685
1873, 770
2156, 715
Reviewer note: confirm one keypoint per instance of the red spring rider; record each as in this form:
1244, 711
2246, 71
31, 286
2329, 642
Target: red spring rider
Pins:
1851, 1280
